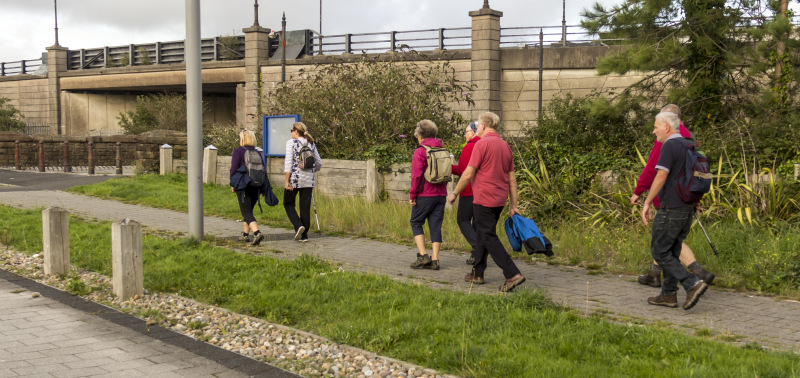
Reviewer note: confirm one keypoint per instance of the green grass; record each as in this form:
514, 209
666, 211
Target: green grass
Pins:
761, 259
522, 334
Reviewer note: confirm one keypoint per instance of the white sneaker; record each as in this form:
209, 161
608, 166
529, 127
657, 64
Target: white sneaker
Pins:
299, 233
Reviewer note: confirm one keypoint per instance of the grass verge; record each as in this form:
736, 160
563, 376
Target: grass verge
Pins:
761, 259
522, 334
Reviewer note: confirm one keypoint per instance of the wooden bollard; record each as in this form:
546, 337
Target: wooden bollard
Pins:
210, 165
41, 156
165, 159
90, 156
55, 240
17, 162
126, 259
67, 166
119, 158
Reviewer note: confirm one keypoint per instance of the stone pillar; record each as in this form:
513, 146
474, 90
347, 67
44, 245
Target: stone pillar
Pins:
56, 65
126, 259
374, 185
55, 240
486, 75
165, 159
256, 50
210, 165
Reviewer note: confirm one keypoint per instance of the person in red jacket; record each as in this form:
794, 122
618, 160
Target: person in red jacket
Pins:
427, 200
653, 276
464, 215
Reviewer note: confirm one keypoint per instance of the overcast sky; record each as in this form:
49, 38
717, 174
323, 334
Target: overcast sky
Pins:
26, 26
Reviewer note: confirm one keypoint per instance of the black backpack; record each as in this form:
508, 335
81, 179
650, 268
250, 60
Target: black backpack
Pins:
696, 178
305, 157
255, 168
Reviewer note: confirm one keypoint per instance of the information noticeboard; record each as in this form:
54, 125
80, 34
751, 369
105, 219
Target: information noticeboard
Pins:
276, 131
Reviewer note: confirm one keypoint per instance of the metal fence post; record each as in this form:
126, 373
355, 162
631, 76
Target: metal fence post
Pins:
158, 52
41, 156
22, 67
83, 58
90, 156
17, 163
119, 158
541, 70
67, 167
441, 39
347, 43
393, 39
132, 58
3, 69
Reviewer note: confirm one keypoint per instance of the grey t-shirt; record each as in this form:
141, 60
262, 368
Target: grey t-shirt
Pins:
672, 160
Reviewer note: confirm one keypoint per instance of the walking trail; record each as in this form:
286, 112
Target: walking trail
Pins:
748, 318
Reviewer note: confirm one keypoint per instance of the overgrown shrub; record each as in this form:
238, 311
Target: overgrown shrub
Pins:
368, 109
165, 111
10, 117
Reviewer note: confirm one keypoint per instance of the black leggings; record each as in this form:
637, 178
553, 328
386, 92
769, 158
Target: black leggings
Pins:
305, 208
247, 202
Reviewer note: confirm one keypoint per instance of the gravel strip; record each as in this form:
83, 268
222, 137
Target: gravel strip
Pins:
294, 350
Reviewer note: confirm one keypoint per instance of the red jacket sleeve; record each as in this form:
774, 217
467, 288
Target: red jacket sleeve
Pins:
463, 160
649, 171
418, 163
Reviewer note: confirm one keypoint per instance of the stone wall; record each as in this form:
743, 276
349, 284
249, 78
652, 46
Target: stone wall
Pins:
142, 148
337, 178
27, 93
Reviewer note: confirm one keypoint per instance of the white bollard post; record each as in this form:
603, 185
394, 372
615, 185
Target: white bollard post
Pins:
55, 240
165, 159
126, 259
209, 164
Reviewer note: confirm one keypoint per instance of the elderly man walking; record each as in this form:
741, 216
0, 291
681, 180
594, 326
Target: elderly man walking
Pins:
674, 217
491, 172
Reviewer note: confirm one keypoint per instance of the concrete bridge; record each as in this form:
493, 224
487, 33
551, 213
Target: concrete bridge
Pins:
83, 91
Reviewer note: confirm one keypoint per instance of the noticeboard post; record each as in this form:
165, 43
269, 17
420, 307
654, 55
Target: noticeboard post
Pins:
276, 131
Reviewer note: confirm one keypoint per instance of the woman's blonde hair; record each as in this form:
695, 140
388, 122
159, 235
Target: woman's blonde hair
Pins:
302, 131
247, 138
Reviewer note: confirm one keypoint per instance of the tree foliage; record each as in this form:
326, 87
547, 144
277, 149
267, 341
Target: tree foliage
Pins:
717, 60
10, 117
369, 108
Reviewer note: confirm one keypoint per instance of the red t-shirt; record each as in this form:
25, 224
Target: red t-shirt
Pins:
492, 159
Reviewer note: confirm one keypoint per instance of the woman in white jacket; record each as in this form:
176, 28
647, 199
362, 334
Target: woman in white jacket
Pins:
299, 181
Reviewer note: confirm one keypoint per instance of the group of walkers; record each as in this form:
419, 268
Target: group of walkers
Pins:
299, 180
487, 182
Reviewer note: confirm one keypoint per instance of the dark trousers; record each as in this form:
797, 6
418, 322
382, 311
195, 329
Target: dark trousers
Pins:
304, 219
432, 209
464, 218
486, 229
247, 202
670, 227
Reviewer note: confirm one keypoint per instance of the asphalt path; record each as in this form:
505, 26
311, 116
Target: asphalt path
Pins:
15, 181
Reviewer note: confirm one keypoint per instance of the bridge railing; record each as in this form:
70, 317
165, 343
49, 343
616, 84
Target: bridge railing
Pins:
217, 48
20, 67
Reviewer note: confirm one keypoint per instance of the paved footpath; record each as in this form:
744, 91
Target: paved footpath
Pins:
45, 332
766, 320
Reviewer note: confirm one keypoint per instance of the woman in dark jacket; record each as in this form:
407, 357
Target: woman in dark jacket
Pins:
464, 214
248, 195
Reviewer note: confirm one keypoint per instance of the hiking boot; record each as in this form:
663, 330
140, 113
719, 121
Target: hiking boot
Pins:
512, 282
652, 278
299, 234
476, 280
670, 301
704, 275
693, 295
303, 240
471, 261
246, 239
257, 239
434, 265
422, 260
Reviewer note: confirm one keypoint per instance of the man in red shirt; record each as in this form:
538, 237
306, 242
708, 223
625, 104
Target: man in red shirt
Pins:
491, 173
653, 276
